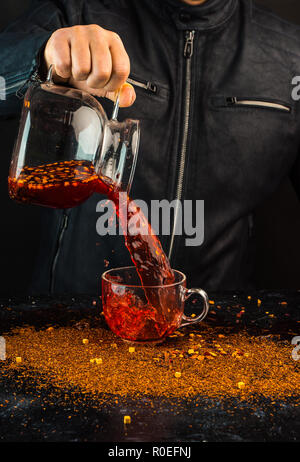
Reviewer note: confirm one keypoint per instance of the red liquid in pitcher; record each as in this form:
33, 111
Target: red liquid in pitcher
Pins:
69, 183
58, 185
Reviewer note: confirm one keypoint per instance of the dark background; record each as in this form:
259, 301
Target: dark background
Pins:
277, 221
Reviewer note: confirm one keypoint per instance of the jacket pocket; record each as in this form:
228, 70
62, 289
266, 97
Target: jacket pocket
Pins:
152, 98
250, 102
144, 84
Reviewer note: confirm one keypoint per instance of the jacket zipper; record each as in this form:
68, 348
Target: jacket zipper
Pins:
17, 84
188, 53
148, 86
64, 225
33, 78
234, 101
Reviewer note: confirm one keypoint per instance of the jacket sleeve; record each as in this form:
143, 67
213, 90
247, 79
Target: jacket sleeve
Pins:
19, 48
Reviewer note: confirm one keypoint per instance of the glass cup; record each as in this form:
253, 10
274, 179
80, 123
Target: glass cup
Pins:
146, 314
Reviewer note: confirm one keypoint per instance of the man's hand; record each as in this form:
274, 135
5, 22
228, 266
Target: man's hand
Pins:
92, 59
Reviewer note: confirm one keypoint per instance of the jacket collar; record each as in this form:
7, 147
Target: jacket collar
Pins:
209, 15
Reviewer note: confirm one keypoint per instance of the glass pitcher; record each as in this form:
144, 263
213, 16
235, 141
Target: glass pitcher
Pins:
67, 149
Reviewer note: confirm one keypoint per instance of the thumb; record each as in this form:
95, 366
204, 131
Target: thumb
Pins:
127, 95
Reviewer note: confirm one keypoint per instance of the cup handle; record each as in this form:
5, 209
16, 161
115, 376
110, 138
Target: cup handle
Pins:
187, 320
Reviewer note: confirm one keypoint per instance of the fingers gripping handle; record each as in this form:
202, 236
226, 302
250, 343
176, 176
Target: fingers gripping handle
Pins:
187, 320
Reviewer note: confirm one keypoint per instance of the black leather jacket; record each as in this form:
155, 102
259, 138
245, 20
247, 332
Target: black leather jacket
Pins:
218, 124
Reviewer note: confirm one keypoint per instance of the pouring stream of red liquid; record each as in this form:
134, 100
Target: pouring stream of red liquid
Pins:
69, 183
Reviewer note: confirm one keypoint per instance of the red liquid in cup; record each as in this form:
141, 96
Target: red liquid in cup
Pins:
134, 318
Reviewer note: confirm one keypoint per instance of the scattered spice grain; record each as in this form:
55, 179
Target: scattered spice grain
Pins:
60, 360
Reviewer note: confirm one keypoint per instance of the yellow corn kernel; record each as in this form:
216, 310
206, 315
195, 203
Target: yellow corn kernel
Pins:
241, 385
213, 354
18, 359
127, 419
131, 349
85, 341
177, 375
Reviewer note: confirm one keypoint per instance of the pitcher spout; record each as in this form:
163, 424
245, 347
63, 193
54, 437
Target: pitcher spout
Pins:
119, 151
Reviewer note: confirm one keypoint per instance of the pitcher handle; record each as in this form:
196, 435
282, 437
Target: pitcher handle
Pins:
116, 107
188, 320
49, 78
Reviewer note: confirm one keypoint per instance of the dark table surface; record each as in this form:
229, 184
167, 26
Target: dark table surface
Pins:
28, 416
